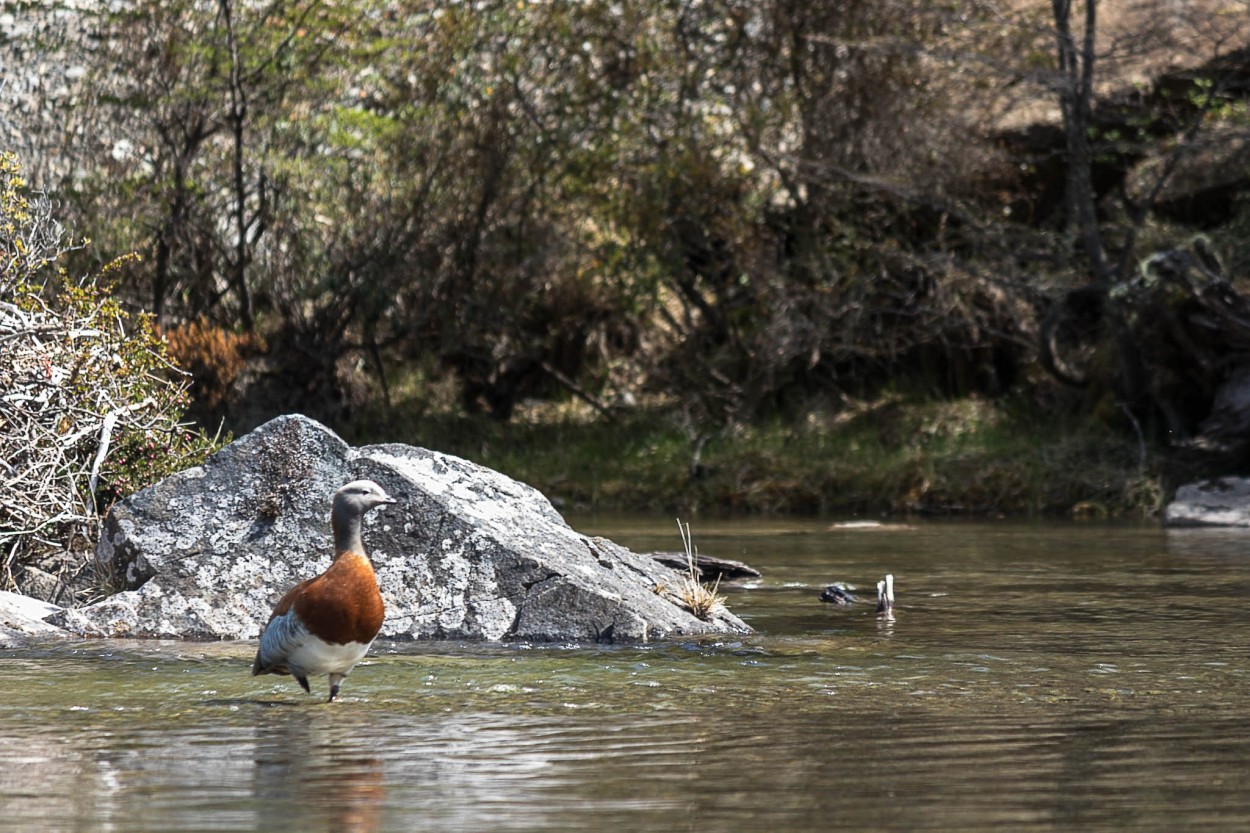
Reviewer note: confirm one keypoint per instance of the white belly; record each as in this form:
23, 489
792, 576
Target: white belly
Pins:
314, 656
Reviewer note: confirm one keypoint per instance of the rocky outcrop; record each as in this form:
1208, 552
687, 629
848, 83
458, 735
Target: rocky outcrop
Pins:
1222, 501
466, 553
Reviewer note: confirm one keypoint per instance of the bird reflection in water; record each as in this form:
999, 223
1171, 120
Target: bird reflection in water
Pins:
315, 772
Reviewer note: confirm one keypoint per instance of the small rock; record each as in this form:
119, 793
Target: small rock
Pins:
838, 593
40, 584
708, 568
23, 616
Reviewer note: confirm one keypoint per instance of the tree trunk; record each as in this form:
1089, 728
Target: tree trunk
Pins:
238, 120
1076, 90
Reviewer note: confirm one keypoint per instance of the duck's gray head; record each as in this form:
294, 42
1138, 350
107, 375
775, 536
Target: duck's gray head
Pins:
358, 497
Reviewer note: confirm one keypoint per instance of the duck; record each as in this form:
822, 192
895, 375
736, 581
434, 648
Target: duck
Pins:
885, 596
325, 624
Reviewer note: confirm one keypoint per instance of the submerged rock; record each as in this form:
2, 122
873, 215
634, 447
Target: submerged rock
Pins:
466, 553
838, 593
1222, 501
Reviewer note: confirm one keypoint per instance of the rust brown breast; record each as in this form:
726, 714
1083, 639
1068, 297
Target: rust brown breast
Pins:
342, 604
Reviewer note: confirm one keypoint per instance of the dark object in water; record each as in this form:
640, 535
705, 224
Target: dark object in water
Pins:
838, 593
708, 568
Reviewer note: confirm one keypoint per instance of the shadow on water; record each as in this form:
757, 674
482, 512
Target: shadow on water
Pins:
239, 702
1036, 677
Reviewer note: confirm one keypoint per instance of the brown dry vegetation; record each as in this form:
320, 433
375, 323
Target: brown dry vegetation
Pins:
215, 358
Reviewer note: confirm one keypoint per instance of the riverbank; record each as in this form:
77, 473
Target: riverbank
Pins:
896, 455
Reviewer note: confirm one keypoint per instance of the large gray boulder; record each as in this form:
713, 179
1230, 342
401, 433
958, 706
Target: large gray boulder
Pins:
466, 553
1222, 501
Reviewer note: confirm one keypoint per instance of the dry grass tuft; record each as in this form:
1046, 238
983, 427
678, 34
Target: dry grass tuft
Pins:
700, 599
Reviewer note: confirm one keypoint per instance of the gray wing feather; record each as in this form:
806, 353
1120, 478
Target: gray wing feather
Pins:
282, 636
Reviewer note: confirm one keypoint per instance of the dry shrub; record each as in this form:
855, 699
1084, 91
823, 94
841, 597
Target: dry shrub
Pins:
213, 356
82, 380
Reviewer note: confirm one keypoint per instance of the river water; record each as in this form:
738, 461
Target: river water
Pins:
1035, 677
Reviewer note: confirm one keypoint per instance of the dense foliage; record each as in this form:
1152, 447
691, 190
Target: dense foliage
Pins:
745, 207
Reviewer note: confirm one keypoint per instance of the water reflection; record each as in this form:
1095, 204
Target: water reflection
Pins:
314, 764
1209, 543
1042, 678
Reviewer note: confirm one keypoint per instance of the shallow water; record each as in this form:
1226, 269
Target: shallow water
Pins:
1036, 677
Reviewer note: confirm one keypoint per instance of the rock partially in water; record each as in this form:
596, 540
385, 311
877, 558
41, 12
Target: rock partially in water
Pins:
708, 568
1223, 501
22, 617
838, 593
466, 553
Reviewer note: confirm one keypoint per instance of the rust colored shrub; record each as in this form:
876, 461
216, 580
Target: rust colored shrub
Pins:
213, 356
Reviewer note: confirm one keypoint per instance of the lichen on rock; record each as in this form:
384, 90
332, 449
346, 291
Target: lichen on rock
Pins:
466, 553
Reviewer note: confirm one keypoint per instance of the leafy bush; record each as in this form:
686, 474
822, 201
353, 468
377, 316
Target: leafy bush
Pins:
90, 403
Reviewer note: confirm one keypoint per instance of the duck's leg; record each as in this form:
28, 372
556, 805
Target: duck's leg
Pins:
335, 681
303, 682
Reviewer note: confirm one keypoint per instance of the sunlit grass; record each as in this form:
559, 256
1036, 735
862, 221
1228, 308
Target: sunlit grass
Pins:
892, 455
700, 599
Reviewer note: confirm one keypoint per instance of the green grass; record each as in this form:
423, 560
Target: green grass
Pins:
890, 456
